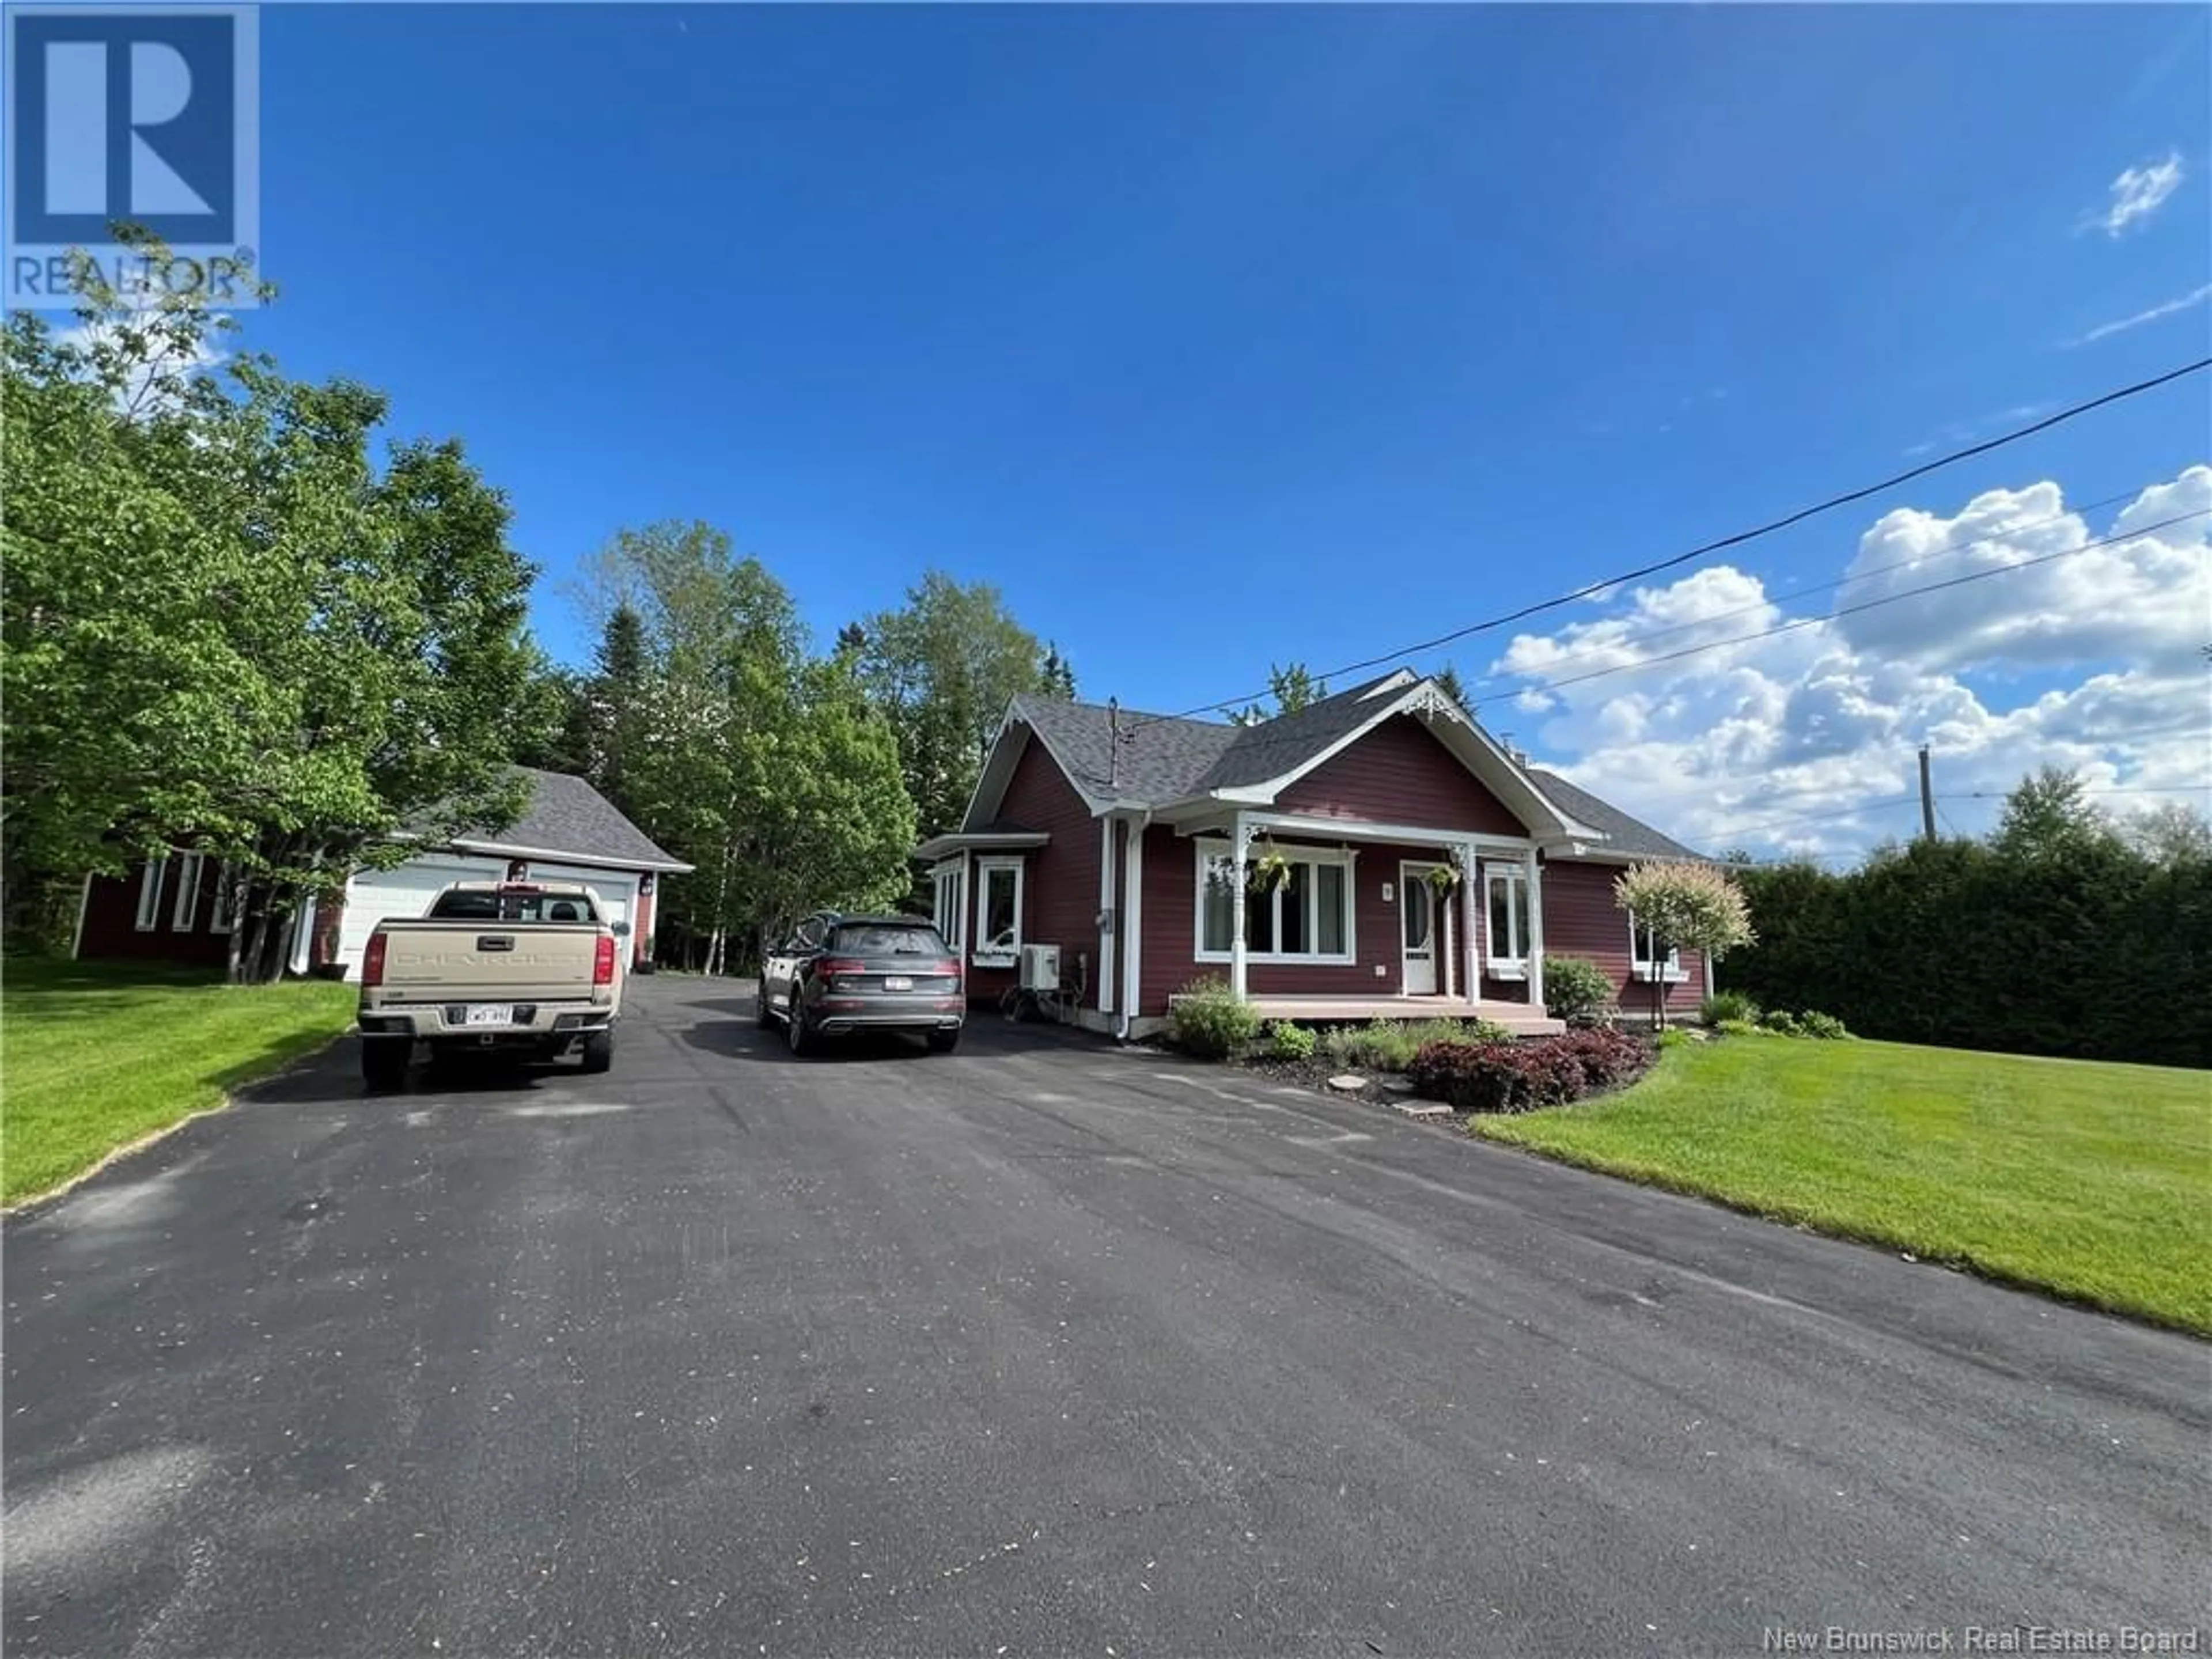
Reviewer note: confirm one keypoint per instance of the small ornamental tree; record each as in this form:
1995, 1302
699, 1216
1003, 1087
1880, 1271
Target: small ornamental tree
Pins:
1693, 906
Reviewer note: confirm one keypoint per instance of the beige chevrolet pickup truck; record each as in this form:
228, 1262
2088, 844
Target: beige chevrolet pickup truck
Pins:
532, 968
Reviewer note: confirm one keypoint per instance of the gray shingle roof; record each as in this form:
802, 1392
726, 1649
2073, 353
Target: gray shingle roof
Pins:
1162, 758
1288, 741
567, 817
1166, 758
1623, 833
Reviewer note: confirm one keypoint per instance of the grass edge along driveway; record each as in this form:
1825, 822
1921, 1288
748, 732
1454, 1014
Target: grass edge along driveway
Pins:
2089, 1180
96, 1056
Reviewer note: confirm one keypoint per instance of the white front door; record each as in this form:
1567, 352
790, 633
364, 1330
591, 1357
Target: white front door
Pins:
1417, 911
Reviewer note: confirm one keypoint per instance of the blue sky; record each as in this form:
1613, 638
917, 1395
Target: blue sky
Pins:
1224, 336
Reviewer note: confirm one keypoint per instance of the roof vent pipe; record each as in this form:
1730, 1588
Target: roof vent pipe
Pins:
1113, 743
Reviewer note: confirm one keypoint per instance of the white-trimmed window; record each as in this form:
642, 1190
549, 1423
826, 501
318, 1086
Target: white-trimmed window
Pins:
951, 882
1506, 915
150, 893
188, 893
1306, 917
998, 912
219, 911
1651, 958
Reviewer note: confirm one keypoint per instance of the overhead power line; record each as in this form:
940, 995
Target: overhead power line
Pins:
1644, 637
1793, 625
1720, 545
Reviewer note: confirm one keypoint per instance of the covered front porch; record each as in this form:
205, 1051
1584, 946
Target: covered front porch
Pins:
1318, 917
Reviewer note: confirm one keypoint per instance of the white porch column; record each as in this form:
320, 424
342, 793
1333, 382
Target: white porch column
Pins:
1106, 917
1470, 910
1133, 905
1240, 843
1533, 872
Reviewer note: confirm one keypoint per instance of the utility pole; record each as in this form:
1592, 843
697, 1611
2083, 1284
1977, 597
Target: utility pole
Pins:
1926, 798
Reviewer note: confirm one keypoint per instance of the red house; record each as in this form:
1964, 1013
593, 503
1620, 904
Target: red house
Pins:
1375, 852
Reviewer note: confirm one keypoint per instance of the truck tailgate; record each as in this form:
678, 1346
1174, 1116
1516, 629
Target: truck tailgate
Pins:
490, 961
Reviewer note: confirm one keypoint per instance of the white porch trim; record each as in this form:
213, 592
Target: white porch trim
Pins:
1106, 918
1133, 959
1533, 876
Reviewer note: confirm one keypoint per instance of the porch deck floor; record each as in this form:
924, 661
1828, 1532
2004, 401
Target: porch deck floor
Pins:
1515, 1017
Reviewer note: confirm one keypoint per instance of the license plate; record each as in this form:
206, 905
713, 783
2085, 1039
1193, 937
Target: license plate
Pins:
491, 1013
897, 982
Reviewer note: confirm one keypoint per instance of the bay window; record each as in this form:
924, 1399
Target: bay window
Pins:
998, 911
150, 893
188, 893
1505, 907
1650, 957
1306, 917
952, 902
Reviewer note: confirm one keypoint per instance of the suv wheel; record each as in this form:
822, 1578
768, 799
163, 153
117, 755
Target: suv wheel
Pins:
763, 1016
794, 1027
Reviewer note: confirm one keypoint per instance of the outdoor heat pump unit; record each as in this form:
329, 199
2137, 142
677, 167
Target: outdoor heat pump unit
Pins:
1040, 967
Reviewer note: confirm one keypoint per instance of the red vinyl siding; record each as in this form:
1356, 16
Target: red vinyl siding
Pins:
1581, 919
1170, 923
111, 920
1060, 883
1399, 774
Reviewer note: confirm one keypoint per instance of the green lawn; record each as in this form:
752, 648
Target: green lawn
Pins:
2093, 1180
93, 1057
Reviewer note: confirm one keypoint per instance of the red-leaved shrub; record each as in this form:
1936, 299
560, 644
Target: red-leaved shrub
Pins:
1521, 1077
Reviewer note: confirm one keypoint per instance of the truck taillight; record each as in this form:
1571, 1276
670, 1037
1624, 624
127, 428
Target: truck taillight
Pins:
603, 962
372, 965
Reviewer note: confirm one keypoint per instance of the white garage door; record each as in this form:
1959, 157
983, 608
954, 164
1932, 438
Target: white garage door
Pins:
406, 891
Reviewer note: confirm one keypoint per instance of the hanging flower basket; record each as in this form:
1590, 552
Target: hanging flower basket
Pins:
1271, 870
1444, 877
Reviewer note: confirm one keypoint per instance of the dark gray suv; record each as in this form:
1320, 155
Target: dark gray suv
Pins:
837, 974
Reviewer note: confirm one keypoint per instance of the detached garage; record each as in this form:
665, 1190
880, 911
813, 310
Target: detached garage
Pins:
166, 910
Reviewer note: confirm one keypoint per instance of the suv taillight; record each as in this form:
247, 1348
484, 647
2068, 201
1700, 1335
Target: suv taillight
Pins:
948, 968
832, 967
603, 962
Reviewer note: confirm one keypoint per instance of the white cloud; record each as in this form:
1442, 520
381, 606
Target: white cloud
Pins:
2091, 661
2138, 193
2168, 308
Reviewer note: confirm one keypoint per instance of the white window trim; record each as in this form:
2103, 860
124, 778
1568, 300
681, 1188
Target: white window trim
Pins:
188, 893
219, 913
1345, 859
996, 956
1640, 965
1510, 964
950, 911
150, 893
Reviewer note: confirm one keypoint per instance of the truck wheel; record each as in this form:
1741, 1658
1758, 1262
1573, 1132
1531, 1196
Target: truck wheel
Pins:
944, 1042
384, 1061
600, 1051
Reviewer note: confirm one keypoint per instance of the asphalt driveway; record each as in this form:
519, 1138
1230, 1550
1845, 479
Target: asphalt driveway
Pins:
1041, 1348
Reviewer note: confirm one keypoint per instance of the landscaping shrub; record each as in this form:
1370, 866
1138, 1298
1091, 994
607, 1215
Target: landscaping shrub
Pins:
1207, 1020
1781, 1022
1673, 1037
1289, 1042
1577, 989
1826, 1027
1522, 1077
1741, 1028
1389, 1045
1724, 1005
